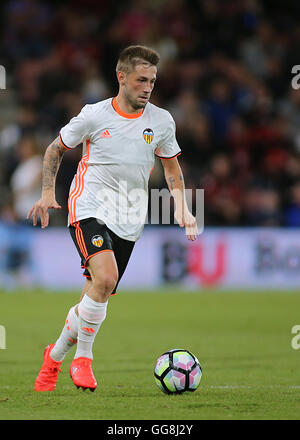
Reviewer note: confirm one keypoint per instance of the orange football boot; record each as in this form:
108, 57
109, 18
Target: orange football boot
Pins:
47, 377
82, 374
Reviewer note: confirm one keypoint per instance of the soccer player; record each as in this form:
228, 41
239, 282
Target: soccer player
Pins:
120, 138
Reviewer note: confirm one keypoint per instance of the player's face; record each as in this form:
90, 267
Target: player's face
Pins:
138, 85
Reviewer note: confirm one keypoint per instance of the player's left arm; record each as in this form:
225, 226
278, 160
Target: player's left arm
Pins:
175, 181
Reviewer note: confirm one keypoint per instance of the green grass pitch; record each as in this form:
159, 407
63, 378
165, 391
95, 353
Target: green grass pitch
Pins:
242, 340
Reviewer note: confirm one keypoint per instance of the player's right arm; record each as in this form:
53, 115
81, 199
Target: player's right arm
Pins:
71, 135
51, 163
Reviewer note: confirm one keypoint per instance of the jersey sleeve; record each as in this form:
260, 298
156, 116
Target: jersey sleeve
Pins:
76, 131
168, 147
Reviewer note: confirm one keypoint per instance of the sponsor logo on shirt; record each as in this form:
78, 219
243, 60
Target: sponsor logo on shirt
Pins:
105, 134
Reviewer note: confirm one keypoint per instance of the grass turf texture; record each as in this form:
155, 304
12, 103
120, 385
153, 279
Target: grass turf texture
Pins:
243, 342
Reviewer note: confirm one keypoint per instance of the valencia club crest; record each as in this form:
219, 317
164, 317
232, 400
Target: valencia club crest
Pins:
148, 135
97, 240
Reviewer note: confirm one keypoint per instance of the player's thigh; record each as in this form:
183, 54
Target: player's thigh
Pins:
103, 268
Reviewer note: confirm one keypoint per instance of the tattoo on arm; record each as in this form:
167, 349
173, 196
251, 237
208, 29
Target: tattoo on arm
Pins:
171, 181
52, 160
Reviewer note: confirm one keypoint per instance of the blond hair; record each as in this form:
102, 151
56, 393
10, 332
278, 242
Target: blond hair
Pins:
134, 55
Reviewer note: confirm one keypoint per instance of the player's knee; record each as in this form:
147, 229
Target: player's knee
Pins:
104, 284
110, 283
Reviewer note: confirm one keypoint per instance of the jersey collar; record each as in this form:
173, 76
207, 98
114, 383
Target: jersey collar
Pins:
123, 114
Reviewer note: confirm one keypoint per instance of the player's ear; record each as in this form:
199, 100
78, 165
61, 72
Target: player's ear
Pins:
121, 78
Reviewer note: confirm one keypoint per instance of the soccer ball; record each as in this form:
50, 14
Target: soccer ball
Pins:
177, 371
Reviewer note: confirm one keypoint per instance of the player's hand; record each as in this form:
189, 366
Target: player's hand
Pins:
41, 208
187, 220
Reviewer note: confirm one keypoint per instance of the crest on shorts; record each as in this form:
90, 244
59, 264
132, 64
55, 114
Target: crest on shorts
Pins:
97, 240
148, 135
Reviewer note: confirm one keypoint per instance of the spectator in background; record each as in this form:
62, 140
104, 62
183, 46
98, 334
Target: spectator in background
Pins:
17, 267
261, 206
257, 51
219, 107
225, 75
94, 87
289, 107
26, 179
222, 193
292, 210
27, 26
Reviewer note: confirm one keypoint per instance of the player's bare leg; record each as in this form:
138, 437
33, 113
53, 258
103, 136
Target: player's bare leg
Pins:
92, 313
55, 353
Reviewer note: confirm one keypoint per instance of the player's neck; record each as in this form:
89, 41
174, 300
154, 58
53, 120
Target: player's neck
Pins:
125, 107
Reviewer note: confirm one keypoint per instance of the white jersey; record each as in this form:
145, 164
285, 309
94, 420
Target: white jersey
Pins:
111, 183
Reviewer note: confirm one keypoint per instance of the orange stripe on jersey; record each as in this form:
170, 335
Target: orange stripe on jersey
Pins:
79, 185
79, 192
125, 115
75, 192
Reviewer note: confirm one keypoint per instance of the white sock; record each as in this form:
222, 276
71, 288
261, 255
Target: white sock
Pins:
67, 338
91, 316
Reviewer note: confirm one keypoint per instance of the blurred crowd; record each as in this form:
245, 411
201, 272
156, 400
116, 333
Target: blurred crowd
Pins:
225, 76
